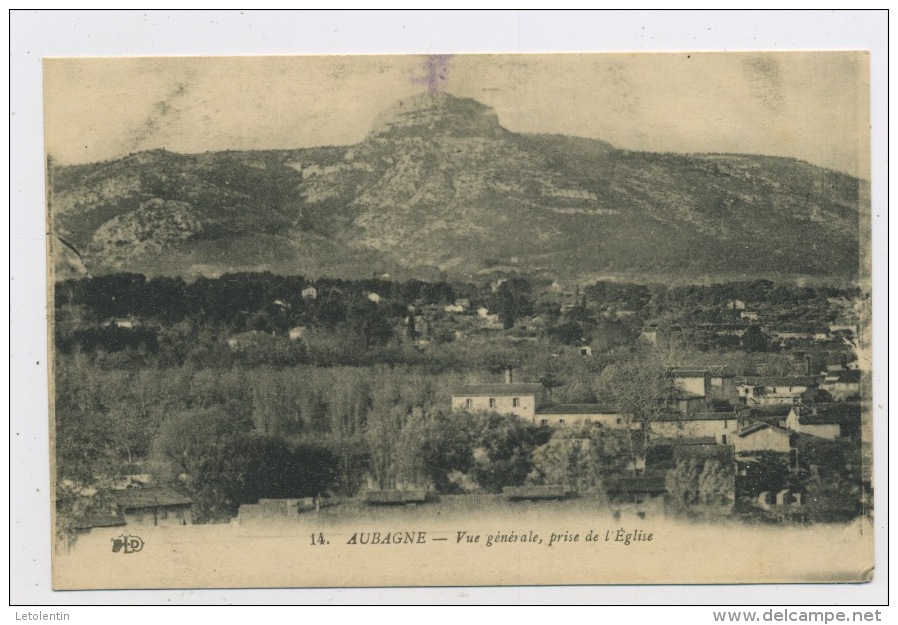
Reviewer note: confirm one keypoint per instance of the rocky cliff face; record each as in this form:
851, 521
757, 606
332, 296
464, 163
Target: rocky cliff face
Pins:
437, 114
439, 187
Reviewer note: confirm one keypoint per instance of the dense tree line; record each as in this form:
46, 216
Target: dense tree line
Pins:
202, 383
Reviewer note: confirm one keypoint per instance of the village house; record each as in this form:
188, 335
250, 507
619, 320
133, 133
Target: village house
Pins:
161, 505
85, 525
723, 387
579, 414
842, 385
297, 333
848, 328
762, 436
719, 425
650, 334
749, 315
520, 400
770, 390
125, 323
636, 497
697, 381
685, 401
829, 421
310, 292
736, 304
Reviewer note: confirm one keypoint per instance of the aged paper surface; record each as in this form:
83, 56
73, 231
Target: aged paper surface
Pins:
460, 320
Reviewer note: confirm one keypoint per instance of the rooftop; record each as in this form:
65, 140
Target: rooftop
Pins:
757, 427
849, 377
577, 409
680, 442
698, 416
630, 485
135, 498
99, 521
689, 373
498, 389
779, 381
829, 414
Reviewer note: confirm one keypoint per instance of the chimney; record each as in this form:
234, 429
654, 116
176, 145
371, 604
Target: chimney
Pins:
509, 375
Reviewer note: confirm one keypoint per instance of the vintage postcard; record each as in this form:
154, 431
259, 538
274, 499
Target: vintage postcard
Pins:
474, 320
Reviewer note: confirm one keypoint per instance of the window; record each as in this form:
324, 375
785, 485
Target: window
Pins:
469, 403
561, 421
544, 422
516, 402
619, 420
723, 439
163, 513
492, 402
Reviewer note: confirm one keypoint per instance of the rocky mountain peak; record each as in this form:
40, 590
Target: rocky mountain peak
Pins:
437, 113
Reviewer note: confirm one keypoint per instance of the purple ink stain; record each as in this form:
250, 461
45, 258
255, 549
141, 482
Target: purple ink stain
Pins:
437, 68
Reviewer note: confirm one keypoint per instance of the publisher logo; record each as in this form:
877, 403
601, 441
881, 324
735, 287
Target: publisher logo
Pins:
127, 544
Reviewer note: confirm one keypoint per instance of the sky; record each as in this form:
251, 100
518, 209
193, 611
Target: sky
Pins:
809, 105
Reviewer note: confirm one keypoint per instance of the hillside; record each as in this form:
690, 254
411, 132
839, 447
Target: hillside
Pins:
438, 187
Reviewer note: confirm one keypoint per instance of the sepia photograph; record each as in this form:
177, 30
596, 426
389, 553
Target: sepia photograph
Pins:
460, 319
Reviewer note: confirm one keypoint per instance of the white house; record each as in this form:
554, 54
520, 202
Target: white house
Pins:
579, 414
771, 390
720, 425
297, 333
842, 385
310, 292
762, 437
515, 399
695, 381
806, 420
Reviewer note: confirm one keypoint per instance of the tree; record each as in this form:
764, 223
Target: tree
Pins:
199, 444
681, 484
754, 340
637, 387
717, 482
448, 448
570, 459
513, 300
271, 468
503, 455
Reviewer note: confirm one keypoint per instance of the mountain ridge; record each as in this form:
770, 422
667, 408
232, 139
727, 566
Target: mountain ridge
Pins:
438, 188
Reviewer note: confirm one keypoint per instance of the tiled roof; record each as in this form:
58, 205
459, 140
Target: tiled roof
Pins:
689, 373
99, 521
779, 381
682, 442
849, 377
827, 414
679, 393
755, 427
699, 416
498, 389
135, 498
627, 485
577, 409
